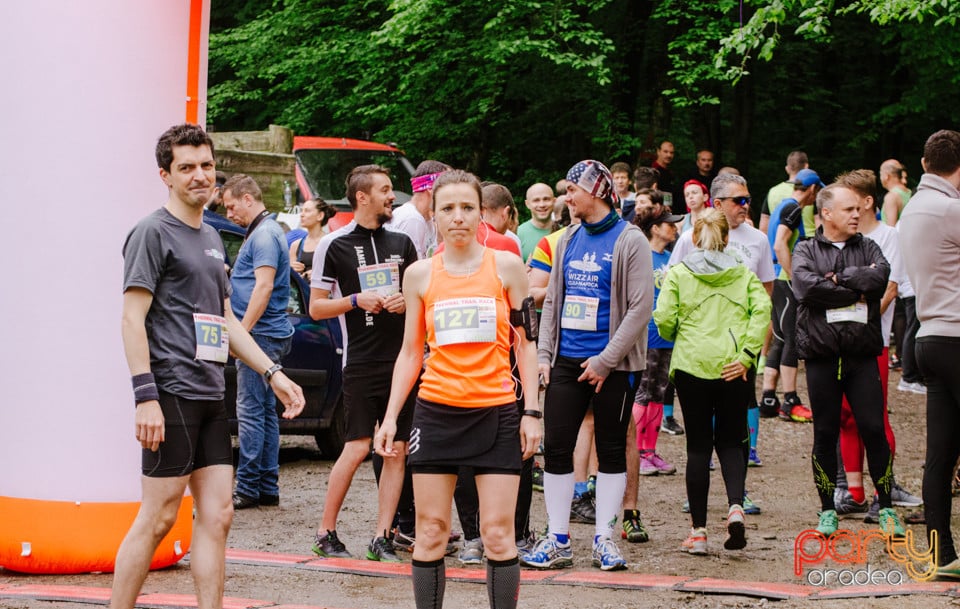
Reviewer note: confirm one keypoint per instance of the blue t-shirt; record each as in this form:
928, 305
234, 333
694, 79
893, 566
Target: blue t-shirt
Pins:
661, 262
266, 246
587, 273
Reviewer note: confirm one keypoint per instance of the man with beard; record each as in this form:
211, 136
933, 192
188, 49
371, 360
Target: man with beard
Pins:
357, 274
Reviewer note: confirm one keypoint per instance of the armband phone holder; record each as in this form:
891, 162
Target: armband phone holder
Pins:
526, 316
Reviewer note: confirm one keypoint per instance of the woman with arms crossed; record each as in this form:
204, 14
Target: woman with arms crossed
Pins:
461, 301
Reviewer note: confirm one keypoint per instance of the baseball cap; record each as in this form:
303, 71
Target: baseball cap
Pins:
807, 178
646, 222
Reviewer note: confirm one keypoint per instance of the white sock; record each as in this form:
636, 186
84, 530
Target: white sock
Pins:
609, 499
558, 495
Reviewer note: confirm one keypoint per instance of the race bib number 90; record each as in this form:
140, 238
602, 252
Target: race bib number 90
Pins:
580, 313
465, 320
384, 279
213, 340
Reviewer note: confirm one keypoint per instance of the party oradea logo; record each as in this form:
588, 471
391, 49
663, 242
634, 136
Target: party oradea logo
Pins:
842, 559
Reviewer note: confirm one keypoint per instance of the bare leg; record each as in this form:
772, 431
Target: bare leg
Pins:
498, 502
354, 452
433, 494
211, 488
391, 485
158, 512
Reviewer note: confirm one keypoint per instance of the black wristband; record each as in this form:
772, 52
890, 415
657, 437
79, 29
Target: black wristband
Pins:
144, 388
533, 413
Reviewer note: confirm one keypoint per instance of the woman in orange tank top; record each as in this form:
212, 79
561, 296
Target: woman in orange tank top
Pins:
459, 302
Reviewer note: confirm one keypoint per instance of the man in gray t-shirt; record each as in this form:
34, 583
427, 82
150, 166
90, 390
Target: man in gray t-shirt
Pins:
178, 330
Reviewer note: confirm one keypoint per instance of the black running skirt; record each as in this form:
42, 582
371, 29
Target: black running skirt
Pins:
486, 438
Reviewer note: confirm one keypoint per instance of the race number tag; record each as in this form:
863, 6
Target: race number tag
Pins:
384, 279
465, 320
855, 312
580, 313
213, 340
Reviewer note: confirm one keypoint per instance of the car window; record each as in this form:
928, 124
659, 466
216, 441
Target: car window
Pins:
231, 243
326, 171
295, 304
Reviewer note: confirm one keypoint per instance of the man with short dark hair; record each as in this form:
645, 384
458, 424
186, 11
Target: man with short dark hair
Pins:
261, 292
178, 328
357, 273
705, 170
796, 161
667, 183
838, 278
930, 242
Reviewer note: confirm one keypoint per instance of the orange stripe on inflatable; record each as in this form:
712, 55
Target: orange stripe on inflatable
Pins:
72, 537
193, 61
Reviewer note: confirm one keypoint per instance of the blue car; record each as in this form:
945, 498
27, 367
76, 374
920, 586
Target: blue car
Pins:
314, 361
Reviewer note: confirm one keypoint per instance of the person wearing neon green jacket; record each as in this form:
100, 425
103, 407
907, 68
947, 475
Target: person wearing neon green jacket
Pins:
716, 311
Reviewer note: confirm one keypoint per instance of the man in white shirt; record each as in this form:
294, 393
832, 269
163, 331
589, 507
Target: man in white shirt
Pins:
415, 217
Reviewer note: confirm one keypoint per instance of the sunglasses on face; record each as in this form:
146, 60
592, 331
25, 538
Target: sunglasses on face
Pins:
741, 201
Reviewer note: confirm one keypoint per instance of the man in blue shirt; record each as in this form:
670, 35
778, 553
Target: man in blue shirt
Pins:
261, 292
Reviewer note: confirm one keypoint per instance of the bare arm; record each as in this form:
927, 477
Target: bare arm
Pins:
764, 223
246, 350
260, 297
781, 247
295, 263
148, 421
889, 295
891, 208
323, 307
538, 280
768, 286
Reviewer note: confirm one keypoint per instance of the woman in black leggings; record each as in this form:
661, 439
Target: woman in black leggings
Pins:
716, 311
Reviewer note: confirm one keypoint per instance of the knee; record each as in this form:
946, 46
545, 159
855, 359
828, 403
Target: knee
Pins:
215, 519
432, 533
498, 537
355, 451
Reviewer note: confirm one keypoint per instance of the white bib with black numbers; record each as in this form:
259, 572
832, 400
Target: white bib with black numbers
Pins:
384, 279
856, 312
465, 320
213, 340
580, 313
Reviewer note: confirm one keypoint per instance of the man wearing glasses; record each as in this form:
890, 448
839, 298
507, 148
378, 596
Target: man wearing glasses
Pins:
785, 229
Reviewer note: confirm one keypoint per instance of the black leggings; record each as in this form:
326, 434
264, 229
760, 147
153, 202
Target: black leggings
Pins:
858, 378
783, 347
939, 360
908, 358
564, 406
715, 415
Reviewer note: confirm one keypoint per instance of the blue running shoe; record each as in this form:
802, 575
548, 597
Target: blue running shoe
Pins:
607, 556
548, 554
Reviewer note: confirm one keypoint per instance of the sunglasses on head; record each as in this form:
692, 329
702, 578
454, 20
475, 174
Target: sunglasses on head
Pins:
741, 201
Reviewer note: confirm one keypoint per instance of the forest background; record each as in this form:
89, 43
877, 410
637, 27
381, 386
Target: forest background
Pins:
517, 91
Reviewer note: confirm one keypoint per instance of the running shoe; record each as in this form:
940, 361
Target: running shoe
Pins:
402, 541
669, 425
828, 523
330, 546
890, 523
537, 477
754, 459
907, 386
895, 363
686, 506
846, 504
736, 531
794, 410
633, 529
899, 496
548, 553
583, 509
381, 549
696, 542
607, 556
873, 514
648, 467
472, 552
949, 571
525, 545
769, 406
664, 467
749, 507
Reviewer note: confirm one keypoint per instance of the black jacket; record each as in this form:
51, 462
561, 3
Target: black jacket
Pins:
813, 259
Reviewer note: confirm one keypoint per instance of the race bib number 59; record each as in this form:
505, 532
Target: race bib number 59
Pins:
384, 279
213, 340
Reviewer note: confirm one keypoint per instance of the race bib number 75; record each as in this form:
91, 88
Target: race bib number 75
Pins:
213, 340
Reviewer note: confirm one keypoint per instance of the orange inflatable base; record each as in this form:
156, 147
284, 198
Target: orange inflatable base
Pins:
71, 537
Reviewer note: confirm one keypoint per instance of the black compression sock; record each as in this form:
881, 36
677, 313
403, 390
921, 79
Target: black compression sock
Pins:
429, 582
503, 583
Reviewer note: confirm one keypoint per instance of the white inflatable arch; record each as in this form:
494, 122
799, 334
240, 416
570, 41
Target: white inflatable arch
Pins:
87, 89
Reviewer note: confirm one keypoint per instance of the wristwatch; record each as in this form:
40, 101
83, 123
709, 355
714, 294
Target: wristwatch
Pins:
537, 414
271, 371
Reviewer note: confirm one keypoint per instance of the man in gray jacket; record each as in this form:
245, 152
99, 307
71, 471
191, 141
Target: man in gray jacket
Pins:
593, 340
930, 245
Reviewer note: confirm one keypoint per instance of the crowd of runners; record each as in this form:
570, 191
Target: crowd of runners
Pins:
472, 343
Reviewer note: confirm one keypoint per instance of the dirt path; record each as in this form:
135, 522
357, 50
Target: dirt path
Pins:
783, 487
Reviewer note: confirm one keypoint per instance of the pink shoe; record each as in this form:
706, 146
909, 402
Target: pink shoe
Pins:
647, 467
663, 467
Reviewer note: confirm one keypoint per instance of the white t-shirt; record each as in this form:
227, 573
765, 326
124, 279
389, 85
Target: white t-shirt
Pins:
885, 236
747, 243
408, 219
